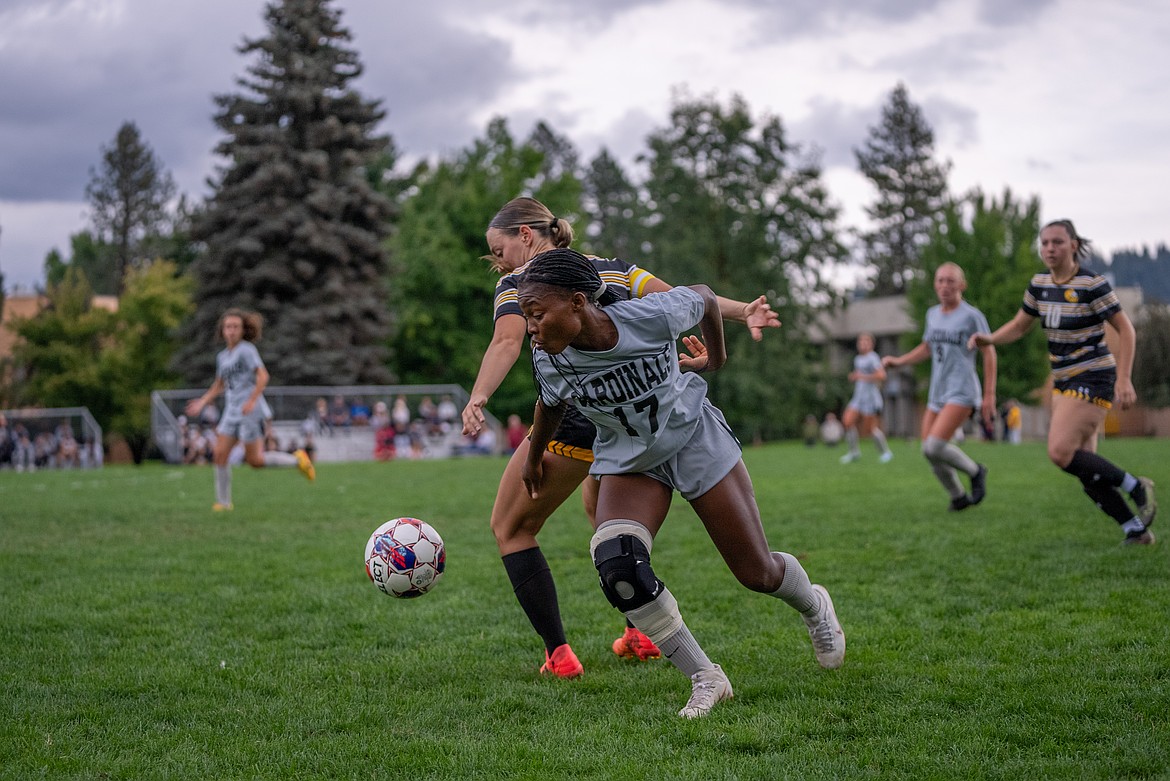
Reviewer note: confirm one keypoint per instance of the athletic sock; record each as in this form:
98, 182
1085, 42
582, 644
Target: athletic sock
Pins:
535, 590
796, 588
684, 651
851, 440
948, 453
1102, 480
223, 485
949, 478
1133, 526
879, 439
276, 458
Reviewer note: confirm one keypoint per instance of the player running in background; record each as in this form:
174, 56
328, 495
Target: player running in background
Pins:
862, 414
954, 384
1075, 304
615, 361
521, 229
240, 375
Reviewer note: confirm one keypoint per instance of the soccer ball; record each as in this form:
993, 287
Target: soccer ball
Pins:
405, 557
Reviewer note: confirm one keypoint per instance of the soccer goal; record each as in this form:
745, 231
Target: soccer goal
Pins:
62, 437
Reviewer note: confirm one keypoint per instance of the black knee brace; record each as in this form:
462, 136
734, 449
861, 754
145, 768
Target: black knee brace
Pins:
623, 565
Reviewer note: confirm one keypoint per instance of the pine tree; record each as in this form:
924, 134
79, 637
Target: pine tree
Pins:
128, 196
294, 229
911, 192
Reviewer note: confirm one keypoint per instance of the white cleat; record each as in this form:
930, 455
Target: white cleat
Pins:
828, 640
708, 688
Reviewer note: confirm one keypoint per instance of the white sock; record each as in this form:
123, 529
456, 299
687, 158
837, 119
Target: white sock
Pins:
851, 440
880, 439
796, 589
949, 454
949, 478
661, 621
276, 458
223, 484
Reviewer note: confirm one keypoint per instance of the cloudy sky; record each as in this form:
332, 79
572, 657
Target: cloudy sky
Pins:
1064, 99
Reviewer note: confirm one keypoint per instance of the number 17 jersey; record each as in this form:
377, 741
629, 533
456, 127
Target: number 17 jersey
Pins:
645, 409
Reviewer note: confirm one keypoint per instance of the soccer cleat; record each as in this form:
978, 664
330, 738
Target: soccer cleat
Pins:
708, 687
1144, 537
960, 503
633, 644
222, 508
305, 464
828, 639
1149, 508
562, 663
849, 458
979, 485
886, 457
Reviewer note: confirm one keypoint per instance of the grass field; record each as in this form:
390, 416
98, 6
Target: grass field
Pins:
144, 637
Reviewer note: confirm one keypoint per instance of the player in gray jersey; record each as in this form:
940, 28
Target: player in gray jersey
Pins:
656, 433
1075, 305
955, 392
863, 413
240, 375
522, 229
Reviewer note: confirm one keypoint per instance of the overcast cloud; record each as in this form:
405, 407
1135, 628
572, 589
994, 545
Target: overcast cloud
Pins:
1064, 99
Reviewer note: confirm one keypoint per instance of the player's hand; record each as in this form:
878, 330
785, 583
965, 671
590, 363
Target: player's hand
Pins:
697, 360
194, 407
1123, 393
758, 315
473, 419
888, 361
978, 340
533, 476
249, 405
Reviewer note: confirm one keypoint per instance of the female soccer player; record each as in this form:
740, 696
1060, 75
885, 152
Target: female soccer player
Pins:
656, 433
523, 228
240, 374
954, 384
1075, 304
865, 407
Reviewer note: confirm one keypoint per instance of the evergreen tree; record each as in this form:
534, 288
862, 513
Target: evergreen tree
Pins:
736, 206
128, 195
443, 288
994, 242
294, 229
911, 187
90, 256
617, 215
1149, 271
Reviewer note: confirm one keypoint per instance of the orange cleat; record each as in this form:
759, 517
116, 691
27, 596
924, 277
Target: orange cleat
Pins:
305, 464
562, 663
221, 508
633, 644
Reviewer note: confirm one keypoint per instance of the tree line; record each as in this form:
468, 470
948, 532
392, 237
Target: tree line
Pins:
366, 273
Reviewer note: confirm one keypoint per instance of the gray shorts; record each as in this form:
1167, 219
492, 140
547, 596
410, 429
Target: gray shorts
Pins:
247, 428
710, 454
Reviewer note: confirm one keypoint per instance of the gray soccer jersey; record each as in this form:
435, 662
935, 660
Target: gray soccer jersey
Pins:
644, 408
953, 379
237, 368
867, 396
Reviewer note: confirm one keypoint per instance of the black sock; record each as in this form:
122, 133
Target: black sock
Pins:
1102, 481
533, 584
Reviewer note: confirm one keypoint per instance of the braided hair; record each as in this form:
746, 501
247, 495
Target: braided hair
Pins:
568, 269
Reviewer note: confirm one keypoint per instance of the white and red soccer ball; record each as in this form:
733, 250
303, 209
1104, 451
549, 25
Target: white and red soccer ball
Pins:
405, 557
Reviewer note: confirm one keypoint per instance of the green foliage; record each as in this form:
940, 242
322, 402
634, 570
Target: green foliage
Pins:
898, 159
442, 290
734, 205
617, 214
146, 637
1151, 367
72, 354
137, 356
294, 228
994, 242
1149, 271
128, 197
89, 255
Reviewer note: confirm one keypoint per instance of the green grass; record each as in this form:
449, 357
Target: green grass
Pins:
142, 636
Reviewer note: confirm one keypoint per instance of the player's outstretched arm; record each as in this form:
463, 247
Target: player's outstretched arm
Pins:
195, 406
501, 354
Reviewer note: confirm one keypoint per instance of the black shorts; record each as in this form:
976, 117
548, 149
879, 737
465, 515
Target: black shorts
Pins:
1093, 386
574, 437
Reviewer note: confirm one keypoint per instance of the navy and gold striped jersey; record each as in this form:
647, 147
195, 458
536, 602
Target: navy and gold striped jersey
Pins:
1073, 316
624, 279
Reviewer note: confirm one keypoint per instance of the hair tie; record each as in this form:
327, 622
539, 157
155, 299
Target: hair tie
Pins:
599, 292
552, 224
